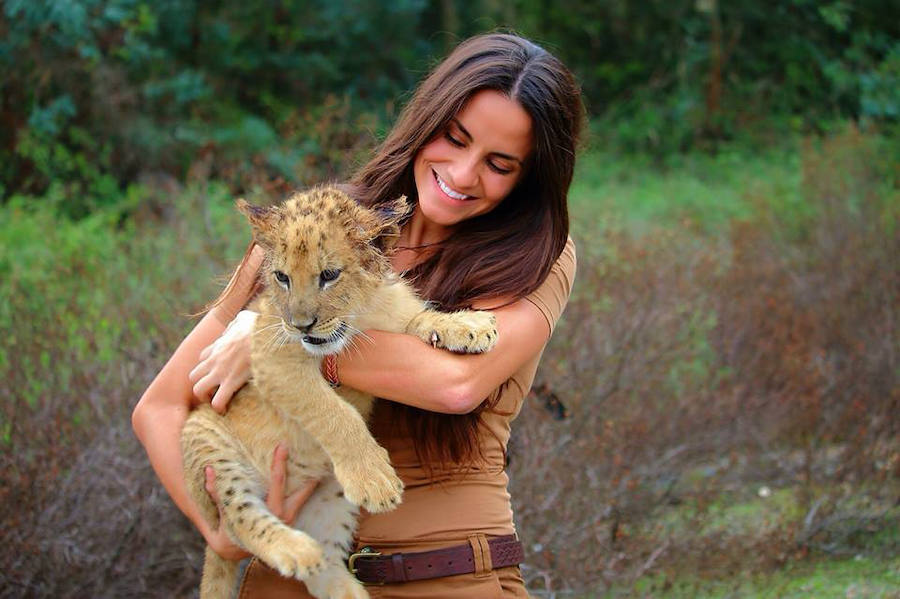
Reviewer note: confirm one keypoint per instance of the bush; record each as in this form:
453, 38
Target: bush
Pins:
698, 369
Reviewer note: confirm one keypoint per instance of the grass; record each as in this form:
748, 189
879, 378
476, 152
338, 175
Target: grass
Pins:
855, 577
700, 191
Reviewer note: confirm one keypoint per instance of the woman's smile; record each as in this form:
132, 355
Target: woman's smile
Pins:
447, 190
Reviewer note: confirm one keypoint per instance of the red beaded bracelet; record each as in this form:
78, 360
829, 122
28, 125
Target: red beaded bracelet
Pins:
330, 371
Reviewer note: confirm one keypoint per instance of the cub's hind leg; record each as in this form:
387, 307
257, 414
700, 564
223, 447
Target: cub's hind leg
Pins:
219, 576
207, 440
331, 519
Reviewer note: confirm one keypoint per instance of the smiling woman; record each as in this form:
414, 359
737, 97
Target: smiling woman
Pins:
474, 163
485, 152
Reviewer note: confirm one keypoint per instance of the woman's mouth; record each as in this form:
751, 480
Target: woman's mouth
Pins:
449, 190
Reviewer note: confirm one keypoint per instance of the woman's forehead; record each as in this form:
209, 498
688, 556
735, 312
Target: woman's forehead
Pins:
497, 122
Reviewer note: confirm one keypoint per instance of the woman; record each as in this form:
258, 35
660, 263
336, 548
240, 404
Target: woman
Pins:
485, 149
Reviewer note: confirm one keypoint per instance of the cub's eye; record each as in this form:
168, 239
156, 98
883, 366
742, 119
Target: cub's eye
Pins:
328, 275
282, 278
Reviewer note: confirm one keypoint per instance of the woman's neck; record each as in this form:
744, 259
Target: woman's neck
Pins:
419, 231
416, 237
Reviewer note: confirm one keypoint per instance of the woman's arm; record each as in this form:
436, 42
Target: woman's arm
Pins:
160, 414
157, 420
404, 369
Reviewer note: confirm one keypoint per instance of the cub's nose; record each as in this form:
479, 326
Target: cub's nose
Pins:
305, 326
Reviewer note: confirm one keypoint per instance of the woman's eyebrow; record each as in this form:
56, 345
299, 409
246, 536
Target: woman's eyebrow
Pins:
469, 135
461, 128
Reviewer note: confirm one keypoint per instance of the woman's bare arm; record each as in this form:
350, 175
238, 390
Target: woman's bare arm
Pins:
160, 414
404, 369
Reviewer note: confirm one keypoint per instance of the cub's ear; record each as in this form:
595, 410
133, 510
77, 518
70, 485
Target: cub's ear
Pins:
262, 220
390, 215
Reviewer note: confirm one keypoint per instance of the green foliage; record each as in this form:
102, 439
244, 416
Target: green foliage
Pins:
860, 576
119, 87
668, 76
98, 92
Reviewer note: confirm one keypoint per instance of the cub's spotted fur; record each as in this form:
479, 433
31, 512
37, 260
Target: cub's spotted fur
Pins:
325, 279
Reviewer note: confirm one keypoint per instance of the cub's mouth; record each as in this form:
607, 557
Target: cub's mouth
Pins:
332, 343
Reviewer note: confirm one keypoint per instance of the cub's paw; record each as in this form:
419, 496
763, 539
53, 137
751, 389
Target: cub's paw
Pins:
336, 583
295, 556
466, 331
370, 482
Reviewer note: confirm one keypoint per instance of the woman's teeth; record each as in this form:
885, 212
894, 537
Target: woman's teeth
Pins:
446, 189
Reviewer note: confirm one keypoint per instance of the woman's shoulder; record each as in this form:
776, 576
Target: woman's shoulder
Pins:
567, 260
563, 270
553, 294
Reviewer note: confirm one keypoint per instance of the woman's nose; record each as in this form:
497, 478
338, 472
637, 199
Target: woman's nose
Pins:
464, 173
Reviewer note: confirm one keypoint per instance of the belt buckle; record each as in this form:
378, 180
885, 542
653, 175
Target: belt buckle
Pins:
362, 553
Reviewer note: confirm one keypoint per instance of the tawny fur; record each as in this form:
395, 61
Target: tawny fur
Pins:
325, 278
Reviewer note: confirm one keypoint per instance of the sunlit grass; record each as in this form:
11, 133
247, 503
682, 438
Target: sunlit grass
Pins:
700, 191
857, 577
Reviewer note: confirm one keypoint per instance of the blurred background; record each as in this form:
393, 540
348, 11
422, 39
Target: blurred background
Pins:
717, 413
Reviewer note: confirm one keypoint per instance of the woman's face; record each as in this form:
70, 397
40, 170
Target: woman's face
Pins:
469, 167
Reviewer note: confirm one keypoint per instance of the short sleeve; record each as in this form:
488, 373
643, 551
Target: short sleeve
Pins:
241, 288
553, 294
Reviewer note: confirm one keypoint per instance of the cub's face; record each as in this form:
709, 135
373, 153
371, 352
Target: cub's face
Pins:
322, 267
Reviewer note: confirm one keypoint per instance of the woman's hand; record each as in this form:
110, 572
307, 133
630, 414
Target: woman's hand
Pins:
284, 507
224, 365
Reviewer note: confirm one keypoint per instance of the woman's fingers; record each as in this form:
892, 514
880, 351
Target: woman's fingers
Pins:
225, 392
200, 370
206, 351
278, 479
296, 500
205, 387
224, 365
221, 398
218, 539
286, 508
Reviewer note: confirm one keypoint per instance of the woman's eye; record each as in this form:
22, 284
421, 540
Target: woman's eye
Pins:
328, 275
449, 137
282, 278
499, 169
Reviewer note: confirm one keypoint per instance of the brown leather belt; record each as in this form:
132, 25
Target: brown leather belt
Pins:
372, 567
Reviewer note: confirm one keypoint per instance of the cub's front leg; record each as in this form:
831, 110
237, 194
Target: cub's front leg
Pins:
465, 331
361, 466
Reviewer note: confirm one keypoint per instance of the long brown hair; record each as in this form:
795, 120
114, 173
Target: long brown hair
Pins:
507, 252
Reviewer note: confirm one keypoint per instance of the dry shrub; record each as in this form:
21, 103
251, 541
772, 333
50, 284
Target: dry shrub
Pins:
107, 530
695, 368
809, 319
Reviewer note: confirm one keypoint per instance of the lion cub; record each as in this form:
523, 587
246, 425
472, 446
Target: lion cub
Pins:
325, 278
